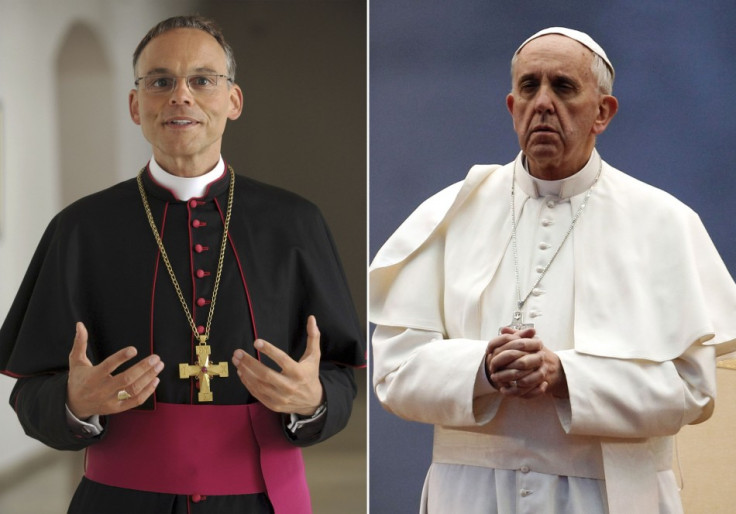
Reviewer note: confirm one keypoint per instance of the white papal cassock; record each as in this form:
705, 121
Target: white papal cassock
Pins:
636, 305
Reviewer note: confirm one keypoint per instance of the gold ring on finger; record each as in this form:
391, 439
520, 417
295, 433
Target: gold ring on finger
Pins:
123, 395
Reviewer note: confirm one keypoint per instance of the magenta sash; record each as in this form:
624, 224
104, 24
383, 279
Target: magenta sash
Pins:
202, 450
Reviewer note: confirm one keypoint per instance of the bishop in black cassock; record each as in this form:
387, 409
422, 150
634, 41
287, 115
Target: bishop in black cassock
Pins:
98, 263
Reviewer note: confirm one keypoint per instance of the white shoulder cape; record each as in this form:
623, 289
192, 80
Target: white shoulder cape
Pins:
649, 282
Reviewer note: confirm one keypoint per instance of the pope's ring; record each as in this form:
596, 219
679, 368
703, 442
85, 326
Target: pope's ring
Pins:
123, 395
512, 384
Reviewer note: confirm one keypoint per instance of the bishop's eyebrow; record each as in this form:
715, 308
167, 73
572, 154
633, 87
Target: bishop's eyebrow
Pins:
167, 71
158, 71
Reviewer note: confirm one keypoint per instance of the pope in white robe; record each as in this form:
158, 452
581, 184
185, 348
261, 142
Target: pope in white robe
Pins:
633, 304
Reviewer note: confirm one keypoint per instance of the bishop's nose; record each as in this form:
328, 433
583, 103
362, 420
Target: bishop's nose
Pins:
181, 94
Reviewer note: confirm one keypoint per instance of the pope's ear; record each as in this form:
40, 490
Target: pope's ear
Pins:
607, 109
510, 103
510, 106
133, 106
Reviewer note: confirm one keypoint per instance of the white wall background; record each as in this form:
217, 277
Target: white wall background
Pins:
32, 33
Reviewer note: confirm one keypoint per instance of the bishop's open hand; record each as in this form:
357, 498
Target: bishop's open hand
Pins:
94, 390
296, 389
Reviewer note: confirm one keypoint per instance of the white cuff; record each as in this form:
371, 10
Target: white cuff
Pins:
89, 428
482, 385
298, 422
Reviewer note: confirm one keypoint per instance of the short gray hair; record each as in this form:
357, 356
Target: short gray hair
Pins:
189, 22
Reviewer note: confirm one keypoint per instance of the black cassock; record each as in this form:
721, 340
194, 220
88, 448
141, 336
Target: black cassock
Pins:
98, 263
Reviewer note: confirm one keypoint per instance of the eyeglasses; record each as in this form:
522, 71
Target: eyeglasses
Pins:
162, 84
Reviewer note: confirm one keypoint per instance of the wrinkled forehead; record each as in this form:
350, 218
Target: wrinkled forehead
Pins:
554, 50
555, 58
574, 35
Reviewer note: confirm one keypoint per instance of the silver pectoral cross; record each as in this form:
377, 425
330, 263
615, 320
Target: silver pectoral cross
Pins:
517, 322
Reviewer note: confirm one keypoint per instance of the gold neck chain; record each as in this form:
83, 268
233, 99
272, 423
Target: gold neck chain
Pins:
201, 337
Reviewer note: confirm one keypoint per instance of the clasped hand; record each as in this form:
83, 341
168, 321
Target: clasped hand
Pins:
518, 364
296, 389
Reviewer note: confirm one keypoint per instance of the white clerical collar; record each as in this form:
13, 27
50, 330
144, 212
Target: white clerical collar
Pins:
563, 188
185, 188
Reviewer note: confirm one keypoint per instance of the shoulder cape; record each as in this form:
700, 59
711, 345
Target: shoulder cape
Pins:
97, 262
649, 282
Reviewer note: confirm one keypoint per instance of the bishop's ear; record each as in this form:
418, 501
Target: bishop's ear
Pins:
236, 102
133, 106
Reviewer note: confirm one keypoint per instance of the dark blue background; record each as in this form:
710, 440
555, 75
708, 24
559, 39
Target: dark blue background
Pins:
439, 74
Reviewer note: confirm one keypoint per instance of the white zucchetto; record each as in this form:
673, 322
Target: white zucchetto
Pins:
580, 37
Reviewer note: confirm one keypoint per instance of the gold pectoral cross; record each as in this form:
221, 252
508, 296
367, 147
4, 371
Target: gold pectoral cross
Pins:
203, 370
